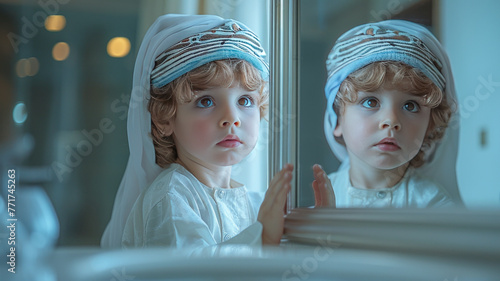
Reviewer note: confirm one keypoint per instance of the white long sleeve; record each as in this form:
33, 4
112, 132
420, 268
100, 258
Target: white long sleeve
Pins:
411, 191
177, 210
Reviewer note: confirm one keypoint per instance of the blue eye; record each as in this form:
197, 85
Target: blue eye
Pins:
412, 106
204, 102
370, 103
246, 101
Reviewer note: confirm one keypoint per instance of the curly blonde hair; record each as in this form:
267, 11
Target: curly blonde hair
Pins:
403, 77
163, 101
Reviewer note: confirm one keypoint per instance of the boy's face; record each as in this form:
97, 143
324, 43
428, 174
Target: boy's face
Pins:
383, 129
219, 126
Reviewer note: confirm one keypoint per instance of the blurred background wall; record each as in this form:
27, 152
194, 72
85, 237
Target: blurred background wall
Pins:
467, 30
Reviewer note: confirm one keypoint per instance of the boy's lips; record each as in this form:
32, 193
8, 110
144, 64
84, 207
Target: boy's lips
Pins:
230, 141
388, 144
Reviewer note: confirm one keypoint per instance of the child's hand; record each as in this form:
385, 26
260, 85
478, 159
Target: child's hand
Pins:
323, 190
272, 210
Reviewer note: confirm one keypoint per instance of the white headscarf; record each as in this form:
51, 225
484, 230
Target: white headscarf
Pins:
441, 158
141, 168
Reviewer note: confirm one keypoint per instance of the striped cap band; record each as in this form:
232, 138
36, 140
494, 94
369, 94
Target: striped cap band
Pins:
226, 41
373, 44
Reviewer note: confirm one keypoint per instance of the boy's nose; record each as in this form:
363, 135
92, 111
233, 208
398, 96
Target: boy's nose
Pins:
390, 124
390, 121
228, 123
230, 118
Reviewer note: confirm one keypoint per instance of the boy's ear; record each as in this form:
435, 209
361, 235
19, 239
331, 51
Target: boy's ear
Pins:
167, 128
337, 132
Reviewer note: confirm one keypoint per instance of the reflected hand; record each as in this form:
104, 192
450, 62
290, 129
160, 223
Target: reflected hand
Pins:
272, 210
323, 190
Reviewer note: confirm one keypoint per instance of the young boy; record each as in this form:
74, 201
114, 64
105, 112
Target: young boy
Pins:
199, 95
390, 99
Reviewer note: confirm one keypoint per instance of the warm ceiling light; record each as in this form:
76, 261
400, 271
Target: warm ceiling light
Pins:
55, 23
118, 47
21, 68
33, 65
60, 51
27, 67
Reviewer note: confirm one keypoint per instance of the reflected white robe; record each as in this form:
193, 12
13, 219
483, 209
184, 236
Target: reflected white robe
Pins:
411, 191
177, 210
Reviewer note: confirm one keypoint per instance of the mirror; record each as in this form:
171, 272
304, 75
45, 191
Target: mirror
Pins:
464, 28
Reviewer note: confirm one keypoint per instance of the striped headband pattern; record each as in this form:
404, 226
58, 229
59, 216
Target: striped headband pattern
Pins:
226, 41
373, 44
